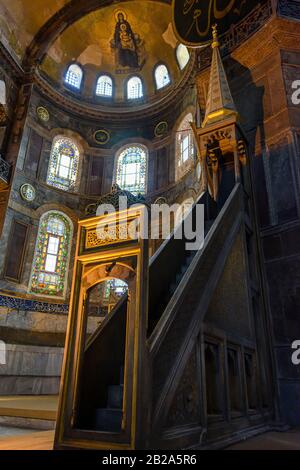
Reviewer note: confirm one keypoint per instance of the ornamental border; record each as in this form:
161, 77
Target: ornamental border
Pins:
32, 305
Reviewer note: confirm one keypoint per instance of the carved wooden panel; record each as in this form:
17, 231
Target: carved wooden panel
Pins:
185, 408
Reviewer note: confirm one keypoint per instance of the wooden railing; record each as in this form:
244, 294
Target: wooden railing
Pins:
165, 265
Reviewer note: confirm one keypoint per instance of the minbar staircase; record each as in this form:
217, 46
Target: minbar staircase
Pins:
161, 402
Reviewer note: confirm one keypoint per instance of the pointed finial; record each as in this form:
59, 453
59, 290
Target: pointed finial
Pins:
215, 42
220, 104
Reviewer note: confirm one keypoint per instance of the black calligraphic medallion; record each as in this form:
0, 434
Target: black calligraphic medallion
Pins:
193, 19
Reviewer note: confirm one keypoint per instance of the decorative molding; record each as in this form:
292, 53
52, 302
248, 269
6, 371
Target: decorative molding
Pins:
18, 303
122, 112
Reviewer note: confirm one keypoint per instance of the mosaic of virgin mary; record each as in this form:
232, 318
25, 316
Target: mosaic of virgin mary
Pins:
126, 43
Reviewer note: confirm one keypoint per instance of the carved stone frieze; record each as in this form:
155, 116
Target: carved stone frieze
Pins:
108, 236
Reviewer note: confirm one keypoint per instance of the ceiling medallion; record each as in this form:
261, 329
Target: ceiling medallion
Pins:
102, 136
27, 192
43, 113
161, 129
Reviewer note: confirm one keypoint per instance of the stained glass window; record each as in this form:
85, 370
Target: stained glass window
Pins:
104, 86
184, 146
74, 76
134, 88
63, 165
51, 257
131, 169
115, 286
183, 55
162, 77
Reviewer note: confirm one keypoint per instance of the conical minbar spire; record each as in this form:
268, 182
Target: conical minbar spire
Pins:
220, 103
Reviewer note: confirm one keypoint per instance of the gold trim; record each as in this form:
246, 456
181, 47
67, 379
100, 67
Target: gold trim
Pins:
216, 114
118, 234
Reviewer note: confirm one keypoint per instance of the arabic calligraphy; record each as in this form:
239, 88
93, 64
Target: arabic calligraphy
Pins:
213, 13
194, 18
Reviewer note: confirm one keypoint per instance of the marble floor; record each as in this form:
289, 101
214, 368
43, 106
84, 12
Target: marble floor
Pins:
8, 431
35, 407
45, 408
42, 440
289, 440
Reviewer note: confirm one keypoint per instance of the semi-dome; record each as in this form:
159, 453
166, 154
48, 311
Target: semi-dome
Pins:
117, 54
121, 54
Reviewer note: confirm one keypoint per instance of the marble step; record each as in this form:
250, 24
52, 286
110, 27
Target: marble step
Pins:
29, 412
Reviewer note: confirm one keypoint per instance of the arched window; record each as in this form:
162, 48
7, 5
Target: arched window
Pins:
74, 76
104, 86
64, 163
184, 146
162, 77
134, 88
51, 258
131, 169
183, 55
